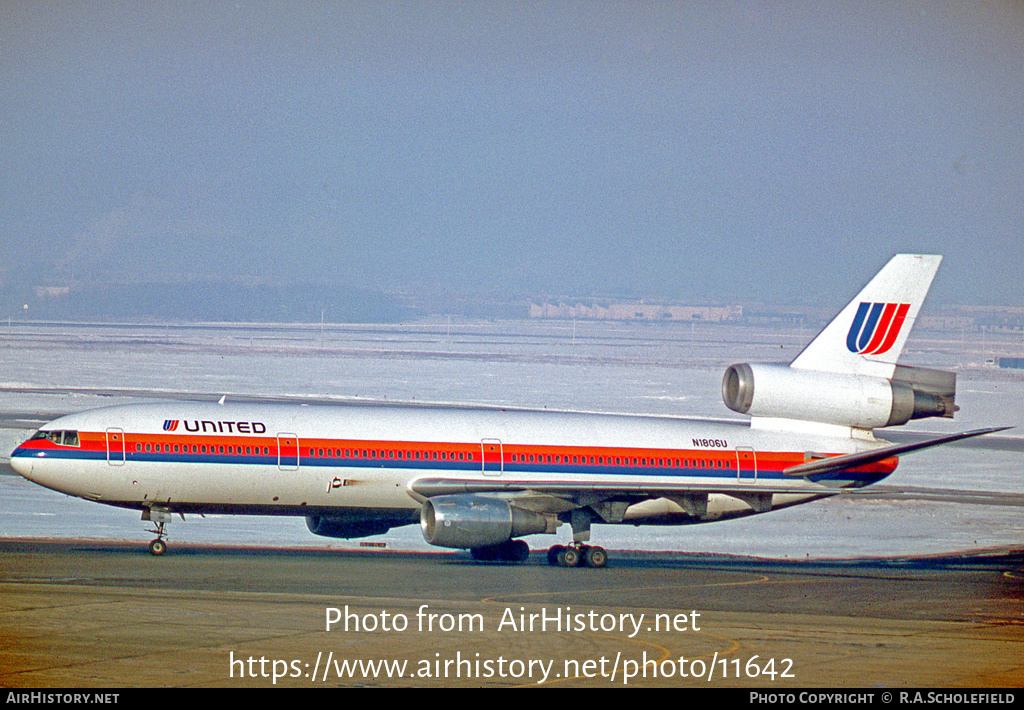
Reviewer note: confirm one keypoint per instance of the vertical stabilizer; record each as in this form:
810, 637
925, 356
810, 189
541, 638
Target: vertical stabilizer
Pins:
867, 336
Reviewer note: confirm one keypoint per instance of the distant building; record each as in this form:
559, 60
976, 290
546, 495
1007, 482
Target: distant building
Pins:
636, 311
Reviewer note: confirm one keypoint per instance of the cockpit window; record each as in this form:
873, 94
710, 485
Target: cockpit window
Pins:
61, 437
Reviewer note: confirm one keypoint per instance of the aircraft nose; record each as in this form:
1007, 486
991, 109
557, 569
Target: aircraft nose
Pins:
21, 463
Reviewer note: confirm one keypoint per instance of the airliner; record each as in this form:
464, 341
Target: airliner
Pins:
482, 478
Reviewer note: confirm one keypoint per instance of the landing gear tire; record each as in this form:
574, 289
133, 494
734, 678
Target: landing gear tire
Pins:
553, 554
578, 556
595, 557
569, 557
157, 547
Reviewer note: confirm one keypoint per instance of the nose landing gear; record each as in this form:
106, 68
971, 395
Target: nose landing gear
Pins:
160, 517
157, 547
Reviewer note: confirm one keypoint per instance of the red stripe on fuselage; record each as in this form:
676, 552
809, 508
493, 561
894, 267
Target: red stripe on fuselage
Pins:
431, 452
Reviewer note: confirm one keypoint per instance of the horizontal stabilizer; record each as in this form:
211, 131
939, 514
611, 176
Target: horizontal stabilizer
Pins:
841, 463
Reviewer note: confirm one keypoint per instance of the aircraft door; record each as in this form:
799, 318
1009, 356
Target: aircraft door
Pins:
746, 464
288, 451
115, 446
492, 461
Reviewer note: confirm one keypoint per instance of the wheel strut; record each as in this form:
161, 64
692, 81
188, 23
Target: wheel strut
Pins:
159, 517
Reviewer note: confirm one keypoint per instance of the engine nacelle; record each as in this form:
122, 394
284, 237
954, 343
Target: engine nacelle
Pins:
354, 523
833, 398
467, 521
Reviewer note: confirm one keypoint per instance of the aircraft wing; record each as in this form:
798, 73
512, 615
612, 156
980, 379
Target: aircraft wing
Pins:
430, 487
610, 500
547, 496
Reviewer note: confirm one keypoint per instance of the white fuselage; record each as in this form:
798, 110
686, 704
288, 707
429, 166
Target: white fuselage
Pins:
312, 459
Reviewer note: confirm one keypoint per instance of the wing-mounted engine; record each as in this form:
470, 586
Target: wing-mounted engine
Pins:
470, 521
859, 401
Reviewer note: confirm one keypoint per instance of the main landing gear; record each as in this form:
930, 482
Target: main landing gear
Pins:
577, 556
574, 555
160, 517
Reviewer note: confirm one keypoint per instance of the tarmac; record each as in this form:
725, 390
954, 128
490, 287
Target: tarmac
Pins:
98, 614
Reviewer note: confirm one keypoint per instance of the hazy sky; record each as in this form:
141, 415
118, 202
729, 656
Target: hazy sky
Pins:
667, 148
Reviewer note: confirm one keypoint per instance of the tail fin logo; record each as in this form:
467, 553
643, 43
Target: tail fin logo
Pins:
170, 424
876, 327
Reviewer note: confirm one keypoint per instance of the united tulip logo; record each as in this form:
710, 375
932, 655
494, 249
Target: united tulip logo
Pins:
170, 424
876, 327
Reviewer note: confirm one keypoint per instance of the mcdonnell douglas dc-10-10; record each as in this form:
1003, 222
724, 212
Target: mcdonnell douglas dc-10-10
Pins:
482, 478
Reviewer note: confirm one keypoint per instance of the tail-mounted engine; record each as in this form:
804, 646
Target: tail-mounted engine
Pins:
850, 400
